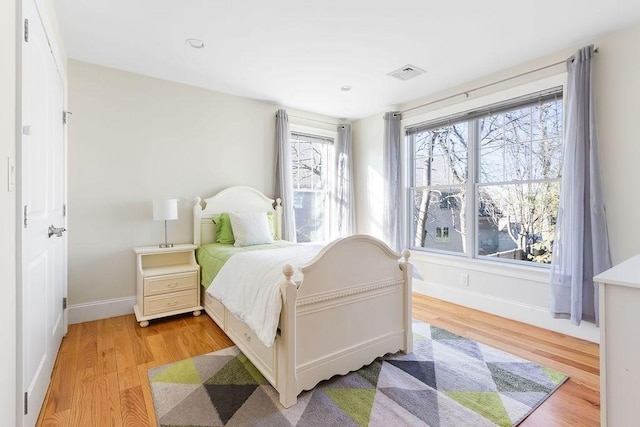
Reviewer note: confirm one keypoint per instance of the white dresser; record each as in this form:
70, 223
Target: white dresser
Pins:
167, 282
620, 344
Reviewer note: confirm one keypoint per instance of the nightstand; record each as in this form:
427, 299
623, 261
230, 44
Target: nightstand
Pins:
167, 282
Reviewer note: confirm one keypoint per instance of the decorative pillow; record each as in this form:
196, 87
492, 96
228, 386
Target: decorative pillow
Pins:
250, 228
224, 232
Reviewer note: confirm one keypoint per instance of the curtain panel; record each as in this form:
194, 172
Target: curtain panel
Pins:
284, 184
392, 227
343, 187
581, 245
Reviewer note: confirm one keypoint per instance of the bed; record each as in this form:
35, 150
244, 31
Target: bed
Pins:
352, 305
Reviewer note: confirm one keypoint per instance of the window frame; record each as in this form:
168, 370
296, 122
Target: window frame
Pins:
449, 115
325, 134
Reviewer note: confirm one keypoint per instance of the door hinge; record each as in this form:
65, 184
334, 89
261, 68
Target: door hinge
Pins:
26, 30
25, 215
26, 403
64, 210
65, 117
64, 303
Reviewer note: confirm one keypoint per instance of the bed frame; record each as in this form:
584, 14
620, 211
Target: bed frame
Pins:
353, 305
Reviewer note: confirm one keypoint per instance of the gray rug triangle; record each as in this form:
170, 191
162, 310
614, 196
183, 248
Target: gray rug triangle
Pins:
228, 398
209, 365
447, 381
167, 396
196, 409
424, 371
259, 406
321, 407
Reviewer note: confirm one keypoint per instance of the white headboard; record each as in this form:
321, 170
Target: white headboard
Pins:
232, 199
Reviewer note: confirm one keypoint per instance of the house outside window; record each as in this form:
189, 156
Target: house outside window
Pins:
311, 158
490, 178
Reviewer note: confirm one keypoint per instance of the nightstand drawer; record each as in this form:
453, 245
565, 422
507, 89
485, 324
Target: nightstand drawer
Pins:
170, 302
170, 283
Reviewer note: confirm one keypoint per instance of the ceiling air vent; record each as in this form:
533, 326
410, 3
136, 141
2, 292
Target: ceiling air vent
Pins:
407, 72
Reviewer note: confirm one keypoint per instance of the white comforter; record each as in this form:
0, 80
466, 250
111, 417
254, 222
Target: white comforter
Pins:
249, 285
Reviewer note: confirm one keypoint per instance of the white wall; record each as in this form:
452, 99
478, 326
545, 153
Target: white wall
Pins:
134, 138
521, 293
7, 214
368, 171
617, 74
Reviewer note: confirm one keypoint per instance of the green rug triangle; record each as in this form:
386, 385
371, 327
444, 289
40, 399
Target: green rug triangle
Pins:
510, 382
419, 337
235, 372
487, 404
252, 370
554, 376
371, 372
183, 372
356, 402
441, 334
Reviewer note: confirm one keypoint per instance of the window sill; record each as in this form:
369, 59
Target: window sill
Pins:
524, 272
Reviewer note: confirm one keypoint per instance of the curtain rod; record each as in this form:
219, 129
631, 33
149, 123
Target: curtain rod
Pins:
475, 89
316, 120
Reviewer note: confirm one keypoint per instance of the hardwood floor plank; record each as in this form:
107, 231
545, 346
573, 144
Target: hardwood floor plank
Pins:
145, 388
100, 377
105, 348
134, 411
88, 351
97, 402
64, 368
159, 350
57, 419
140, 347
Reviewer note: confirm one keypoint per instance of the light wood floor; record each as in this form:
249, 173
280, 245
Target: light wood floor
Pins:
100, 375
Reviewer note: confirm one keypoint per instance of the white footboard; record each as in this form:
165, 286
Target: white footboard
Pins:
353, 305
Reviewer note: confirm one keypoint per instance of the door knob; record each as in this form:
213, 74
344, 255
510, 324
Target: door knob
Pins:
57, 231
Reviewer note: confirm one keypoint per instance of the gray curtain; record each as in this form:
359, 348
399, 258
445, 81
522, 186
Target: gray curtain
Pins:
581, 245
392, 227
343, 188
284, 184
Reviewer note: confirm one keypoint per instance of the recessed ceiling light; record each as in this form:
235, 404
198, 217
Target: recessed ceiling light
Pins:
195, 43
345, 88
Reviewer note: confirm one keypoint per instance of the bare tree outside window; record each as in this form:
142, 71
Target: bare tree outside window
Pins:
516, 191
310, 159
440, 175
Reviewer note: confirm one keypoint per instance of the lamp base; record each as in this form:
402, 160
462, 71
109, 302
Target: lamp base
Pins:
165, 245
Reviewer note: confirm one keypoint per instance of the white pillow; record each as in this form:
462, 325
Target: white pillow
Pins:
250, 228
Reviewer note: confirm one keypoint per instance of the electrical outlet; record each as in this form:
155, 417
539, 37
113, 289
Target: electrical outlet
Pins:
464, 279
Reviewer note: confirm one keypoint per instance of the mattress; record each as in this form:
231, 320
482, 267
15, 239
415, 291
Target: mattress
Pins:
211, 257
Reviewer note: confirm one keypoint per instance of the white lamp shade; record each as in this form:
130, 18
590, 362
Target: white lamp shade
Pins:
165, 209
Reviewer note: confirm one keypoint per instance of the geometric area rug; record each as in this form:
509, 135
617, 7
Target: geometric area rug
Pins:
447, 381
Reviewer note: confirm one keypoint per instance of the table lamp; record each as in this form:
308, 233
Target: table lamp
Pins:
165, 210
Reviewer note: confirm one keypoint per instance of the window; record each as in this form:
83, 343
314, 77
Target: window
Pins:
487, 183
311, 159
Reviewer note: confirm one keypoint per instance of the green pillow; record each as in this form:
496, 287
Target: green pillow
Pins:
224, 233
271, 219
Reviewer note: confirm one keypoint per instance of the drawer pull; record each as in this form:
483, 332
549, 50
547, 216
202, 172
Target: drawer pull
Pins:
172, 285
172, 303
247, 337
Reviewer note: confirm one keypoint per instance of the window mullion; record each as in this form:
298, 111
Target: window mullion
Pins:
471, 188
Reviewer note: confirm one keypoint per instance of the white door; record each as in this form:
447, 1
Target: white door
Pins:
43, 261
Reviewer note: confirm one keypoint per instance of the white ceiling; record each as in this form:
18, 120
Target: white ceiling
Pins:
299, 53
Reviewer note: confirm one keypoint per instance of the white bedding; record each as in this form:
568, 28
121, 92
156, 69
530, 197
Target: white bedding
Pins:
249, 285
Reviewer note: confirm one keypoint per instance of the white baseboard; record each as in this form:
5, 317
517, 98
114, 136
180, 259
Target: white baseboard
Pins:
526, 313
96, 310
